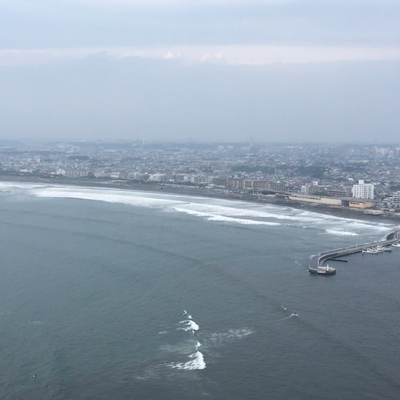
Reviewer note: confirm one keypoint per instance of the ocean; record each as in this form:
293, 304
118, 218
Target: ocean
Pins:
113, 294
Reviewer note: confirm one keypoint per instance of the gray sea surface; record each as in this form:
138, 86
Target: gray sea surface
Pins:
108, 294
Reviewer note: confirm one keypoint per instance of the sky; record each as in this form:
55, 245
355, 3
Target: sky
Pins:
210, 70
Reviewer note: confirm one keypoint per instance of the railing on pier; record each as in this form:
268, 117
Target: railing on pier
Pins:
319, 260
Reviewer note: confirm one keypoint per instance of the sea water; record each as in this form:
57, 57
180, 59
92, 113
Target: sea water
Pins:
113, 294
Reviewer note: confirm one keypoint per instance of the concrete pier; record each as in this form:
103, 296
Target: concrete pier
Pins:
319, 259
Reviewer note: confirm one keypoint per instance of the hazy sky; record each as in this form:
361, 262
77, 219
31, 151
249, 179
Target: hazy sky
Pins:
274, 70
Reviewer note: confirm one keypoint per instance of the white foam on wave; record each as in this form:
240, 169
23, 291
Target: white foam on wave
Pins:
222, 218
196, 358
352, 224
196, 362
206, 210
242, 221
323, 219
340, 233
217, 210
269, 214
106, 195
189, 325
20, 185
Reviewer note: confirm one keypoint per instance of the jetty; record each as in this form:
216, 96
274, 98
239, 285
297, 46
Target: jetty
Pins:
317, 262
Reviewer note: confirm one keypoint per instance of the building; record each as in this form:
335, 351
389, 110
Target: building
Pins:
260, 184
278, 186
339, 192
158, 178
396, 200
315, 199
75, 173
220, 181
311, 190
361, 204
363, 190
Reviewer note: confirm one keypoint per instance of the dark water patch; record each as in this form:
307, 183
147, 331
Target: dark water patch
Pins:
92, 297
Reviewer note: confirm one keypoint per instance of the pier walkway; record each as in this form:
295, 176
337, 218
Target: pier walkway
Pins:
319, 259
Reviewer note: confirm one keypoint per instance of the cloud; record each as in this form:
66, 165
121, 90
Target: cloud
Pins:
217, 69
133, 23
235, 55
170, 55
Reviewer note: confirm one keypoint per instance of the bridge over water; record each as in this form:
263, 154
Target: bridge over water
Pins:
319, 259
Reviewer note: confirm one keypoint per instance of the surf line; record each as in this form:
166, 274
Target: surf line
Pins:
196, 359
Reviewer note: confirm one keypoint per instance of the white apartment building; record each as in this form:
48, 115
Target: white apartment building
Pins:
363, 190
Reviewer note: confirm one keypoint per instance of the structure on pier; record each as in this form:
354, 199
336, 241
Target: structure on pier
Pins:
317, 262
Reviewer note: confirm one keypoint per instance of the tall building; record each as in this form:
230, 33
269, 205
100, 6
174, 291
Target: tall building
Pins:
363, 190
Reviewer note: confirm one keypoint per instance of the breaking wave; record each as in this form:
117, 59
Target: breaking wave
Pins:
188, 325
195, 359
340, 233
213, 210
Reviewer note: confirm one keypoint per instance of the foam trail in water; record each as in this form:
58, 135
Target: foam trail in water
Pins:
282, 319
290, 316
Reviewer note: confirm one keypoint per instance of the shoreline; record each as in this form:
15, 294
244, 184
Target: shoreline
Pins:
336, 211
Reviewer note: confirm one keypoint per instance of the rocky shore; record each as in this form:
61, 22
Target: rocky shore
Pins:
343, 212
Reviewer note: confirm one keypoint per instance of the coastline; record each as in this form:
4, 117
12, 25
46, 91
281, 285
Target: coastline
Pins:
336, 211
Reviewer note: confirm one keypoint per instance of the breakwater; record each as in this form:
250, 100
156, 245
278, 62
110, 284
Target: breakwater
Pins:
317, 261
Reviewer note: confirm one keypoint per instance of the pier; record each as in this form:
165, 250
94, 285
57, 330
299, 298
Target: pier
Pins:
318, 261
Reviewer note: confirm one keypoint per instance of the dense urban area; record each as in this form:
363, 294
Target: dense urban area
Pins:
363, 178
